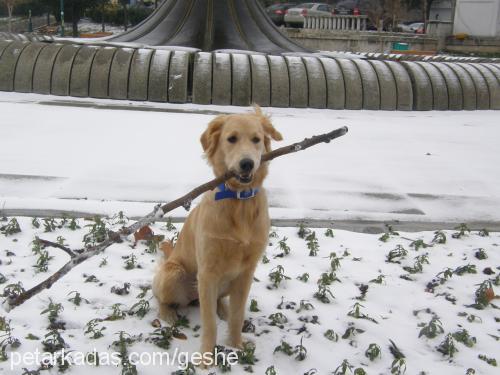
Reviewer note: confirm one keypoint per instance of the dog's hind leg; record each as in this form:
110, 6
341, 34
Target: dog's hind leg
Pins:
222, 309
172, 288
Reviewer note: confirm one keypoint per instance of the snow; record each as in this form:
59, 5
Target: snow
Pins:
398, 305
101, 156
119, 155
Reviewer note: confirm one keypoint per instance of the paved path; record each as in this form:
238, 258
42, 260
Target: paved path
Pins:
421, 169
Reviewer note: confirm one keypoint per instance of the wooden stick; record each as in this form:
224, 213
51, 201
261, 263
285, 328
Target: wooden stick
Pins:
159, 211
46, 243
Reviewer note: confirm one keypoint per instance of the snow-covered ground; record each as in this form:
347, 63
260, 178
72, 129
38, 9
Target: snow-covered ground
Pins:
100, 156
364, 302
408, 166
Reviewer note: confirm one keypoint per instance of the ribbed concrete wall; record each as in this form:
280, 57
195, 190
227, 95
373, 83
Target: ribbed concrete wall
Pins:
290, 80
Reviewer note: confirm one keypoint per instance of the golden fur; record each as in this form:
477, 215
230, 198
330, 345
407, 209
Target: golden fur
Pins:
221, 241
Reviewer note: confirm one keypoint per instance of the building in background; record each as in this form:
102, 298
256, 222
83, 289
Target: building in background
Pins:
477, 18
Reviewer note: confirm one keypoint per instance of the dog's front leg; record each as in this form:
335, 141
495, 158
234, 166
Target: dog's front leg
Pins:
238, 296
208, 305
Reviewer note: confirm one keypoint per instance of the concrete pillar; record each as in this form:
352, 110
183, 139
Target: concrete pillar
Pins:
280, 83
61, 72
99, 74
8, 64
404, 88
467, 86
178, 75
242, 80
299, 88
316, 81
387, 83
358, 24
482, 91
439, 89
353, 85
422, 87
492, 83
371, 89
139, 74
80, 73
202, 78
23, 79
119, 73
158, 76
334, 83
455, 94
42, 74
221, 91
261, 80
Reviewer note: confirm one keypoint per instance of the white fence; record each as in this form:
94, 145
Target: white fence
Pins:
336, 22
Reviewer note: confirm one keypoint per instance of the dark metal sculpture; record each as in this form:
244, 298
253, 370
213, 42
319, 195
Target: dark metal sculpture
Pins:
211, 25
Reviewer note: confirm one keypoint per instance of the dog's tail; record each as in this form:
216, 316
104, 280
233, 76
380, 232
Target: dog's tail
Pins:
167, 248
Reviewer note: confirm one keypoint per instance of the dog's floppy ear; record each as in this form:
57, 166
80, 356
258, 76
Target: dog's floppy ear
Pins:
210, 137
268, 128
267, 125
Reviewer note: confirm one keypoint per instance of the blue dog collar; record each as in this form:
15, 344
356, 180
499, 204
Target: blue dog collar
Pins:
226, 193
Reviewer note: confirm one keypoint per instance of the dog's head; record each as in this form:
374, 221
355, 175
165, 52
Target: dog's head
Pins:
236, 143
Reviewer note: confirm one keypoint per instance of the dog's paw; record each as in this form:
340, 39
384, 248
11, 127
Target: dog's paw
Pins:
168, 314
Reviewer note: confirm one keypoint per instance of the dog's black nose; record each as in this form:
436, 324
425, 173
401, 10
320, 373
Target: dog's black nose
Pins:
246, 165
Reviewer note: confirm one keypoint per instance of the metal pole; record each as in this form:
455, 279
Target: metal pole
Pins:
30, 22
62, 18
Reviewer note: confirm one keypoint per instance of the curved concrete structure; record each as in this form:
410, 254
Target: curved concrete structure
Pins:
280, 81
61, 74
202, 78
404, 88
211, 25
261, 80
466, 84
482, 91
299, 87
134, 72
242, 80
387, 85
139, 74
423, 97
8, 64
335, 96
453, 85
80, 71
42, 74
23, 79
222, 76
316, 82
158, 76
370, 86
353, 85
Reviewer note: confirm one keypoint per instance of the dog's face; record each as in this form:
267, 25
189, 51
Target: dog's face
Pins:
236, 143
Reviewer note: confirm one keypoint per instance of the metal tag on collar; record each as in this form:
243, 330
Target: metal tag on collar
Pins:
251, 194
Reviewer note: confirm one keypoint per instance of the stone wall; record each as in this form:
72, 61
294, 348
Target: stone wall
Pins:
369, 41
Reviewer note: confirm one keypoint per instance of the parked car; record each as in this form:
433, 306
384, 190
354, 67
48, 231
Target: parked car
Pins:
295, 16
277, 12
417, 27
404, 28
354, 7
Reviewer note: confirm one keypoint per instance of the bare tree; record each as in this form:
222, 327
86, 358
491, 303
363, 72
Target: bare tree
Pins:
10, 8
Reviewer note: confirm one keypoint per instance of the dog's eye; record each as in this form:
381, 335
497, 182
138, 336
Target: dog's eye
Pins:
232, 139
255, 139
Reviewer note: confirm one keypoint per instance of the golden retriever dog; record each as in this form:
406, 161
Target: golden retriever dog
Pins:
224, 237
